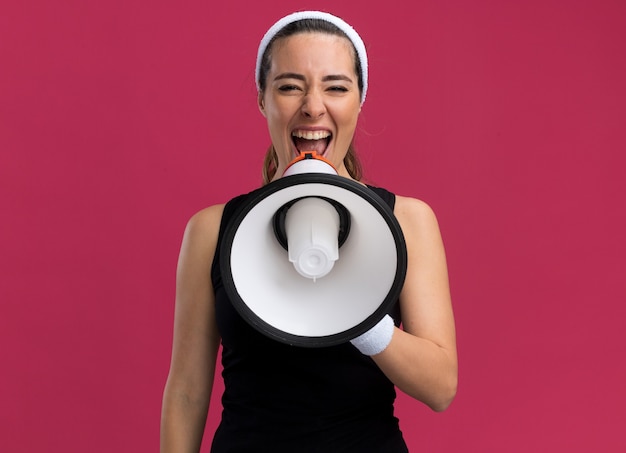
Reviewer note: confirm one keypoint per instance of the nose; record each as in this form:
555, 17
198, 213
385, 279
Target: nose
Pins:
313, 105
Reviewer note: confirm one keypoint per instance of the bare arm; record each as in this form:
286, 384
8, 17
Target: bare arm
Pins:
421, 359
196, 340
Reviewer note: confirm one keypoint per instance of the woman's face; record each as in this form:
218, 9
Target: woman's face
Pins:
311, 100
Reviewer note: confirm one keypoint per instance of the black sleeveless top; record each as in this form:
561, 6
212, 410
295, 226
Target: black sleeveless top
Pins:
282, 398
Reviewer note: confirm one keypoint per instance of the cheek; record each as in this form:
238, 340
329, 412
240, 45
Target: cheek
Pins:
276, 115
276, 125
348, 120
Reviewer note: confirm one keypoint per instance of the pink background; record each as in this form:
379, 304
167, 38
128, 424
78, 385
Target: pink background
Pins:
120, 119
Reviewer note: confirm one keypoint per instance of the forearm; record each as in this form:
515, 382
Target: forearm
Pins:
420, 368
182, 422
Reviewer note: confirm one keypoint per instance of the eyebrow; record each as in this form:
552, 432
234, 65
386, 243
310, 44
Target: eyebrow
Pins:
328, 78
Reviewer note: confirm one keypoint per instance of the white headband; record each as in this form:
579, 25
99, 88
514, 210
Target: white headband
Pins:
339, 23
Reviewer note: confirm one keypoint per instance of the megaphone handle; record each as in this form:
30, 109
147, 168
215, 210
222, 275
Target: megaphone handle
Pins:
375, 340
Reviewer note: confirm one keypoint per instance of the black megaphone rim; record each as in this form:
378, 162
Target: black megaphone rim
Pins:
313, 341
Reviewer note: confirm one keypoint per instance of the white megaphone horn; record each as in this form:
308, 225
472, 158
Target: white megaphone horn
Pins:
313, 259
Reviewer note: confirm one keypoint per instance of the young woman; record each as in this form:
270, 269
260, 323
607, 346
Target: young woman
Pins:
312, 81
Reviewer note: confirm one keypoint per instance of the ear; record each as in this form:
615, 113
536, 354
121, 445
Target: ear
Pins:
261, 103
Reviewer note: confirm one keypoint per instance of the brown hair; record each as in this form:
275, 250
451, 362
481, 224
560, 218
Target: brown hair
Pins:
270, 163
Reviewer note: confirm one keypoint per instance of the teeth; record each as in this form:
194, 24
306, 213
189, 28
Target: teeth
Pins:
311, 135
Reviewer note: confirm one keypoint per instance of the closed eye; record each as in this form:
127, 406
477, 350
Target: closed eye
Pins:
338, 88
287, 88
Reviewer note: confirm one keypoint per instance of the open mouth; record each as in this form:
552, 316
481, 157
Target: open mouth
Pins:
311, 141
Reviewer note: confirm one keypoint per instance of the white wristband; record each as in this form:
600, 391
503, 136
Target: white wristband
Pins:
375, 340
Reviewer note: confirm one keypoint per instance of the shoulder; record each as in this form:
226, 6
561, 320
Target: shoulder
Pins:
203, 227
206, 219
413, 210
418, 222
207, 222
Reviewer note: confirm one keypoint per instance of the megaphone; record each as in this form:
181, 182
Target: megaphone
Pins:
313, 259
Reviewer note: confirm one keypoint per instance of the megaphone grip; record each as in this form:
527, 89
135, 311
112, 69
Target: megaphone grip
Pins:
375, 340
